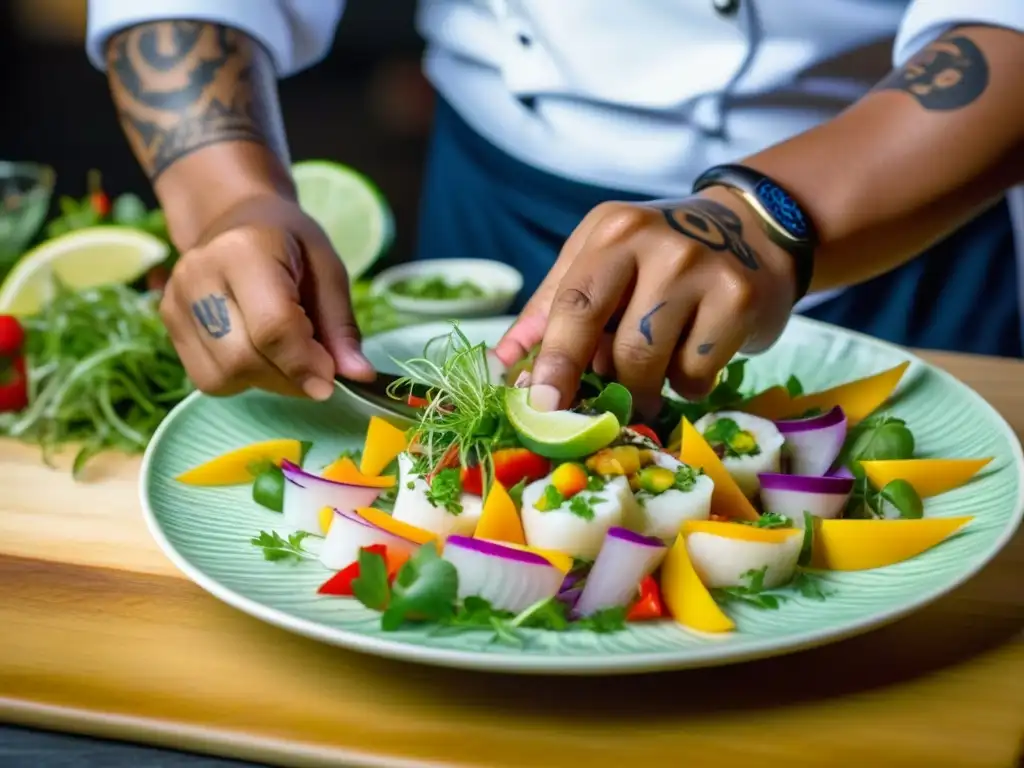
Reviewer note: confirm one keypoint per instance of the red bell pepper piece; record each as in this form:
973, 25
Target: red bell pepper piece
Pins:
417, 402
649, 605
13, 376
340, 584
511, 465
645, 431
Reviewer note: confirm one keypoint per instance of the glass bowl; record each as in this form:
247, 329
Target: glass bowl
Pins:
25, 192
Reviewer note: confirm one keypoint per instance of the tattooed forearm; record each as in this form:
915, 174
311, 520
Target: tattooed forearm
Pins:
183, 85
948, 74
714, 225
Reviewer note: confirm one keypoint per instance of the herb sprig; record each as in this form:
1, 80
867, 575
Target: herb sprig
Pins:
277, 548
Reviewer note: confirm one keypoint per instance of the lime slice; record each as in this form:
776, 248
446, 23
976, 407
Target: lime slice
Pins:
81, 259
558, 434
349, 208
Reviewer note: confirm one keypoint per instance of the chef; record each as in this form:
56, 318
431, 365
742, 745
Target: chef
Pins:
673, 177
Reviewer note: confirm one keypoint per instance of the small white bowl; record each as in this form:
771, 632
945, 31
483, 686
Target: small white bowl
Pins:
500, 282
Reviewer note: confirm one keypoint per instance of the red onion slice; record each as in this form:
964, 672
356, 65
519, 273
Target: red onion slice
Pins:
625, 558
814, 443
792, 495
306, 494
349, 532
509, 579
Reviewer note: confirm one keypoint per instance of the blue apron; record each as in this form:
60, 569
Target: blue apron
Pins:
478, 202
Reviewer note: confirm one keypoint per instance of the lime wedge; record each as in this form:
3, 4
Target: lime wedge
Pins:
84, 258
349, 208
558, 434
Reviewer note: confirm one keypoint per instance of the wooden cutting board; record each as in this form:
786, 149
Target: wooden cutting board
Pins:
99, 634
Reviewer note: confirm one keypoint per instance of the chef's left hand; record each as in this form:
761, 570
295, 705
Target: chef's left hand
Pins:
654, 290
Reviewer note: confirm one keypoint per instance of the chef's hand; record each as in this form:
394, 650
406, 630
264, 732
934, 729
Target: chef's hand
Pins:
263, 301
654, 290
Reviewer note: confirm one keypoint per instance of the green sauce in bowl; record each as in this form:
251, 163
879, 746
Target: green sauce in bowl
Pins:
436, 288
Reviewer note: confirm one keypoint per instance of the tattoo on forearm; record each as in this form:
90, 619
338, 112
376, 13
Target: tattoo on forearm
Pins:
714, 225
948, 74
705, 348
645, 323
212, 314
183, 85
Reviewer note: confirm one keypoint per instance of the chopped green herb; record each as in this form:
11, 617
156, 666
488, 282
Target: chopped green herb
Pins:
446, 490
686, 477
550, 614
370, 587
725, 436
276, 548
770, 520
425, 589
794, 386
595, 483
583, 506
551, 499
608, 620
811, 586
752, 593
436, 288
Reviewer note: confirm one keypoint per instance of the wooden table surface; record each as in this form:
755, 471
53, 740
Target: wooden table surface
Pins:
99, 634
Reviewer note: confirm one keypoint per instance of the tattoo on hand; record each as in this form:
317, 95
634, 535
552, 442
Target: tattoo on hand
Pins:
645, 323
212, 314
705, 348
948, 74
183, 85
714, 225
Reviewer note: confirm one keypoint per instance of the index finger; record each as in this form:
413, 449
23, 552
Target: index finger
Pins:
279, 328
585, 301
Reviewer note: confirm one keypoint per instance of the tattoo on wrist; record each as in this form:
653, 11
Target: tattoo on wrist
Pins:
947, 74
705, 348
183, 85
212, 314
645, 323
713, 225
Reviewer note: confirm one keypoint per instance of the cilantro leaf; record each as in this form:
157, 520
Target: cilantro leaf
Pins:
276, 548
583, 507
550, 614
516, 494
794, 386
770, 520
752, 593
425, 589
811, 586
446, 490
370, 587
608, 620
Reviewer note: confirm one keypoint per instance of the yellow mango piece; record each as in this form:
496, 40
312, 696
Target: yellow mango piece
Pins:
384, 441
770, 404
686, 597
737, 531
386, 522
499, 520
326, 518
727, 500
344, 470
930, 477
859, 545
235, 467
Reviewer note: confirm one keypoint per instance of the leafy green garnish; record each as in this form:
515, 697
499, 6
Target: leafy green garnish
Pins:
516, 494
425, 589
370, 587
752, 593
770, 520
102, 373
583, 506
595, 483
608, 620
615, 399
725, 395
810, 586
794, 386
436, 288
727, 436
551, 498
276, 548
446, 490
686, 477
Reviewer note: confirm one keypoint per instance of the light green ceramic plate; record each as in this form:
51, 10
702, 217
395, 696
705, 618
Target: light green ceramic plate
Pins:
206, 531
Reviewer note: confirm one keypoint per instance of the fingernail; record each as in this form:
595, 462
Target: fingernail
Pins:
318, 389
523, 380
544, 397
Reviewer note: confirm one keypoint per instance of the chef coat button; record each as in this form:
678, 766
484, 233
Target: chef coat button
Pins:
726, 7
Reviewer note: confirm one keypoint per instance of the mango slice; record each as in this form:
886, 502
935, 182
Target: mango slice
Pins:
686, 598
499, 520
858, 398
326, 517
344, 470
560, 560
737, 531
404, 530
929, 477
727, 500
384, 442
236, 467
859, 545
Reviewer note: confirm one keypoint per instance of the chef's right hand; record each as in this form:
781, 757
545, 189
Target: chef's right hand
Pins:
263, 301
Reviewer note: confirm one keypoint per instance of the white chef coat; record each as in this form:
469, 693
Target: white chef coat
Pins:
639, 95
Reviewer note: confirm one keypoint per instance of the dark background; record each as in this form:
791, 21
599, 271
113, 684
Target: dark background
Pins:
366, 105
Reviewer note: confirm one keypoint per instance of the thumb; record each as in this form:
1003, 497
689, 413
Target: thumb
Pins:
325, 294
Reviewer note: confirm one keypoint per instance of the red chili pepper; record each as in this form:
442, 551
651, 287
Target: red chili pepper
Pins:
645, 431
13, 377
511, 465
648, 606
340, 584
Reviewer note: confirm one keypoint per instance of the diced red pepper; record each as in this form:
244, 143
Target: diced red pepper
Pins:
649, 605
511, 465
645, 431
97, 197
13, 376
417, 402
340, 584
